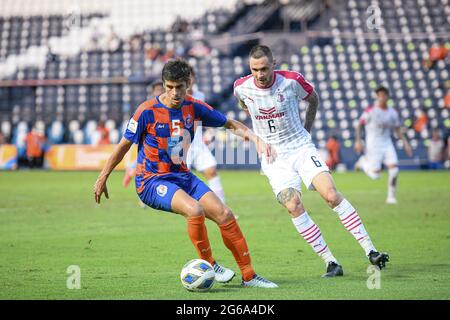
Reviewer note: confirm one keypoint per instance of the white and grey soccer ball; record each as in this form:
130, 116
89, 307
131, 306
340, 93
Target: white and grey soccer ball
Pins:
197, 275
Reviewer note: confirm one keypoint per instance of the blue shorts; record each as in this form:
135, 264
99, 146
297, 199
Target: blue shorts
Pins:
158, 191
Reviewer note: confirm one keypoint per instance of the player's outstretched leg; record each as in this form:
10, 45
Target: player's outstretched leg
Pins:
364, 165
291, 199
233, 239
349, 217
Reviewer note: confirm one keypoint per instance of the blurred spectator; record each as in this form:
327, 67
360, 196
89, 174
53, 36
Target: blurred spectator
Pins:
435, 53
333, 147
199, 50
35, 146
447, 100
112, 40
421, 121
136, 42
170, 54
435, 150
447, 96
2, 139
103, 134
153, 62
180, 25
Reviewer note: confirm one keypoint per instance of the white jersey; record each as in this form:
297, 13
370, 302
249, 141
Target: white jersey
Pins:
275, 110
379, 125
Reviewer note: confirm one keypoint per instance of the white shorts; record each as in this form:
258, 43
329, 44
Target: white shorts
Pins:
378, 155
200, 157
289, 172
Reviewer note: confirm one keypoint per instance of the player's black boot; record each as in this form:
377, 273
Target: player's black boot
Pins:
378, 259
333, 270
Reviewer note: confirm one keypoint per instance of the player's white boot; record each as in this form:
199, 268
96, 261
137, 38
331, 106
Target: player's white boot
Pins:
259, 282
391, 200
223, 274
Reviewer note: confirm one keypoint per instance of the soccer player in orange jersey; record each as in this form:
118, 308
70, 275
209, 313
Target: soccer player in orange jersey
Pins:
163, 127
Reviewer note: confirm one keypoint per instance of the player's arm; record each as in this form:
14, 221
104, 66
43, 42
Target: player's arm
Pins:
406, 146
243, 106
119, 152
311, 110
241, 130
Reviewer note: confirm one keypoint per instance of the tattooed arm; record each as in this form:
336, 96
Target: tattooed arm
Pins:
311, 110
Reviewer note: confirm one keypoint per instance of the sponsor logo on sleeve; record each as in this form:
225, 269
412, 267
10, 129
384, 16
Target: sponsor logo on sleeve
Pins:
132, 125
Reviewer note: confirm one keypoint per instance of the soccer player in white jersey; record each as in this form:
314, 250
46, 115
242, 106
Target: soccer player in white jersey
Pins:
379, 121
272, 98
199, 156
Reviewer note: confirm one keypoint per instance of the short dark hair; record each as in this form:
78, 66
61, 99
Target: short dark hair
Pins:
382, 89
176, 70
260, 51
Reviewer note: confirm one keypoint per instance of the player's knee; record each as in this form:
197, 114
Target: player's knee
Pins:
291, 200
295, 207
393, 171
196, 210
333, 197
225, 216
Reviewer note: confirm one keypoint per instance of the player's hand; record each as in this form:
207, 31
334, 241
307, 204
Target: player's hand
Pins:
99, 188
408, 150
358, 147
266, 150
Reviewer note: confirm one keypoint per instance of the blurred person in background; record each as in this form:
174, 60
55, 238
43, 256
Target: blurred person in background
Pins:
422, 121
436, 53
380, 121
35, 147
333, 147
103, 134
435, 150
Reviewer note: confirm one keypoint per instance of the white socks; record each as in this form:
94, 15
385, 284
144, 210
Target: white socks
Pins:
216, 186
352, 222
311, 233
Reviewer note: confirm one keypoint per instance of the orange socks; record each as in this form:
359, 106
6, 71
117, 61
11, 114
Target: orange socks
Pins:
199, 237
234, 240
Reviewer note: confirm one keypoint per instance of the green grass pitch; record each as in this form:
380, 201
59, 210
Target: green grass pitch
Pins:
49, 221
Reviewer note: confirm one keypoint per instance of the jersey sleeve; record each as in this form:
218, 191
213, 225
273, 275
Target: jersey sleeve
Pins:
236, 91
138, 122
365, 116
208, 116
302, 87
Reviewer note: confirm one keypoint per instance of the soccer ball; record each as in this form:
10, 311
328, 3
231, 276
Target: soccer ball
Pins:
197, 275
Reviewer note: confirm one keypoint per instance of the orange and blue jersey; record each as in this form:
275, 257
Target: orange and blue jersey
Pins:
163, 136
